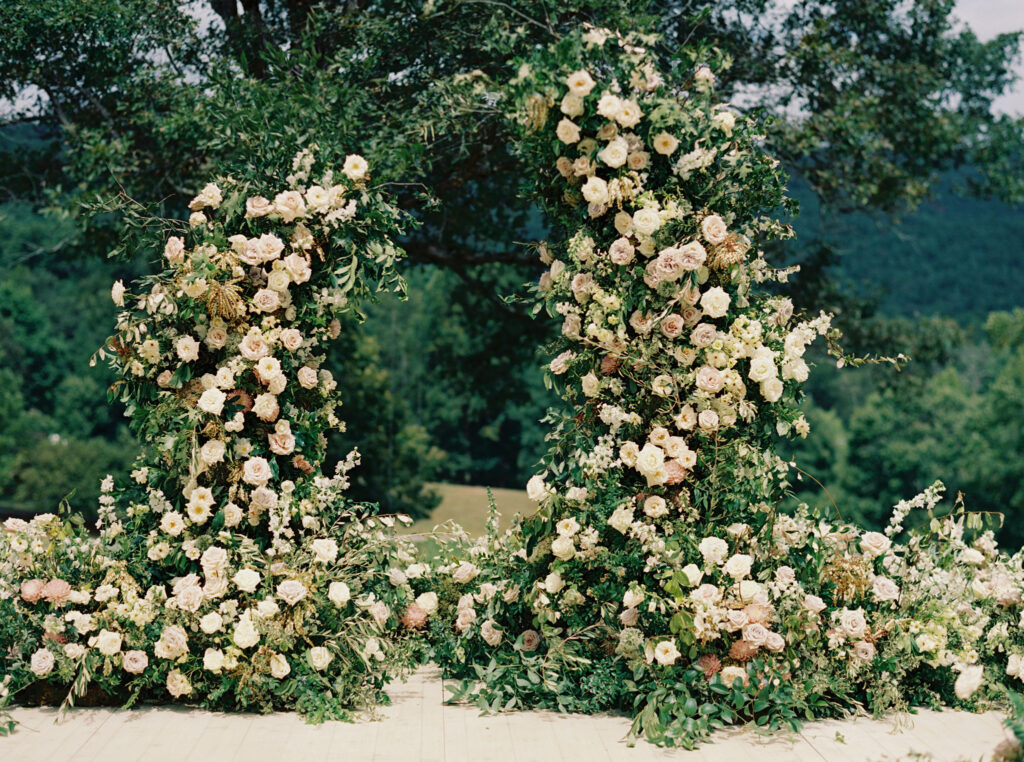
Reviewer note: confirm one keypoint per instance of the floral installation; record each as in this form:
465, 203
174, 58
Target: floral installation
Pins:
229, 570
657, 575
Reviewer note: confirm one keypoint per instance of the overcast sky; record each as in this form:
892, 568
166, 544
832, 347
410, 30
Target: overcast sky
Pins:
989, 18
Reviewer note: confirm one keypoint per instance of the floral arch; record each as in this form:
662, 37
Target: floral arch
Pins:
657, 576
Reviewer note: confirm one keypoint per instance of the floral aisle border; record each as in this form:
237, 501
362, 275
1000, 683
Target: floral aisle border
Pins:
657, 576
229, 570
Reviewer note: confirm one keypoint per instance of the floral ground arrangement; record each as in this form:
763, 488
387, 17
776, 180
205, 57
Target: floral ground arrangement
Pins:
229, 570
657, 576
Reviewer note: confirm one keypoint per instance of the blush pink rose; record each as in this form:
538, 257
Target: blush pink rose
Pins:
672, 326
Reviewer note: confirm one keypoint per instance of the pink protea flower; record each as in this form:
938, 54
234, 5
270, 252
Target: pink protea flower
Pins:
56, 591
32, 590
742, 650
414, 618
676, 472
710, 665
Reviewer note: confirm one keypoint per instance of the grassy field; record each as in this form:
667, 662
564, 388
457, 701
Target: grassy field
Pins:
467, 506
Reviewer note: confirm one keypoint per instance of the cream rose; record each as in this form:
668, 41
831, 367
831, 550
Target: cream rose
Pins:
291, 591
256, 471
567, 131
580, 83
665, 144
355, 167
713, 229
715, 302
595, 190
212, 401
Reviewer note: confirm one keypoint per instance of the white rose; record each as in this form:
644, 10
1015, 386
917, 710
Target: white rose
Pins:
355, 167
580, 83
247, 580
771, 389
571, 105
212, 452
246, 635
853, 623
213, 660
253, 346
212, 401
325, 550
490, 633
595, 190
289, 206
713, 549
307, 377
173, 523
615, 153
567, 131
650, 459
621, 252
536, 489
666, 653
629, 113
646, 221
762, 367
211, 623
969, 681
297, 266
174, 250
621, 519
665, 144
266, 300
465, 572
178, 685
814, 604
874, 544
655, 507
590, 385
715, 302
884, 589
317, 198
738, 566
257, 206
291, 591
108, 643
188, 349
135, 662
338, 593
428, 602
319, 658
279, 666
563, 548
608, 106
725, 121
291, 339
210, 196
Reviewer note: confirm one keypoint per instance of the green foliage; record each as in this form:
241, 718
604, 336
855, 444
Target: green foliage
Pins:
957, 418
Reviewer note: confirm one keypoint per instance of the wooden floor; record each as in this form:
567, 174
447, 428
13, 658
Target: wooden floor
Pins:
418, 727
